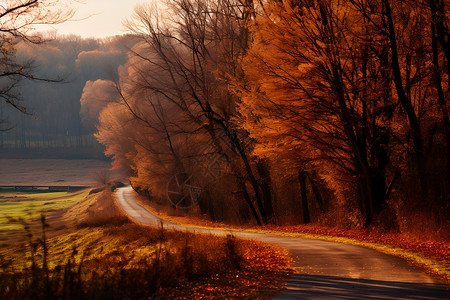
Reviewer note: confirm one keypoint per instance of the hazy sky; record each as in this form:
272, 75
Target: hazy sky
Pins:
106, 18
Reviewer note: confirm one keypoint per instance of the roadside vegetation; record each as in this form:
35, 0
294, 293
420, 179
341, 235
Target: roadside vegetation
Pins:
431, 254
102, 255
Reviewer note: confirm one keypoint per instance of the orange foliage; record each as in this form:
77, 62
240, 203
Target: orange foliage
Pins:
96, 95
264, 270
318, 94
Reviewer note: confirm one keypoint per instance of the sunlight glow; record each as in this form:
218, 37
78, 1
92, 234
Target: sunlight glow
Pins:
96, 18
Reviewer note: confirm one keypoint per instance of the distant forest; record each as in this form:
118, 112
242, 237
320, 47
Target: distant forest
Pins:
54, 124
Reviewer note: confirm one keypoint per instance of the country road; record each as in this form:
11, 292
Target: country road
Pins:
325, 270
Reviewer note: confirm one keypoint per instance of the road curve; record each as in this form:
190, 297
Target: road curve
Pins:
325, 270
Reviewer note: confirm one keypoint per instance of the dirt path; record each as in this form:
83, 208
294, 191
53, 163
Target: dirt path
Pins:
325, 270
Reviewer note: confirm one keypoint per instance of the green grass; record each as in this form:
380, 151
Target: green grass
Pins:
31, 205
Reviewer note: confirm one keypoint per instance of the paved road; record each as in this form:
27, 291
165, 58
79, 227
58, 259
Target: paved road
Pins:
325, 270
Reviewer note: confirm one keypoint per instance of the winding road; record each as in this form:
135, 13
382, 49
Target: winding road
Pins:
324, 270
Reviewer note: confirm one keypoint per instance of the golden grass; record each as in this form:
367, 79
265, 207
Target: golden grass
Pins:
194, 266
169, 263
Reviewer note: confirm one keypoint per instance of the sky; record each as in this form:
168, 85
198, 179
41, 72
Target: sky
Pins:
97, 18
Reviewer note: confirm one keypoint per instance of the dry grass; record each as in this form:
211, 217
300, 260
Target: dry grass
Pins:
263, 271
101, 255
178, 216
96, 210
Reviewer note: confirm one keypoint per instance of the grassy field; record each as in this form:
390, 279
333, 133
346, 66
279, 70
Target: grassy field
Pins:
86, 248
31, 205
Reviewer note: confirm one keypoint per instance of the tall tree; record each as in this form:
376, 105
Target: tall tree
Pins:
311, 94
185, 60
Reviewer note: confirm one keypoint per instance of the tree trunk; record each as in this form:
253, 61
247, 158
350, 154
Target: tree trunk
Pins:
362, 165
441, 95
266, 187
379, 173
304, 196
249, 202
316, 192
211, 212
234, 141
405, 102
366, 194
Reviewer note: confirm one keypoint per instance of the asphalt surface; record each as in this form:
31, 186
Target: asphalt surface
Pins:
324, 270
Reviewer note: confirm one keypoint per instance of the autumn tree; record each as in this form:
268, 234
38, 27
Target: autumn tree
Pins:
180, 72
310, 94
438, 17
414, 31
350, 90
96, 96
349, 98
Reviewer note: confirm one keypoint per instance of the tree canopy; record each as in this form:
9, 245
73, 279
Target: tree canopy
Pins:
312, 110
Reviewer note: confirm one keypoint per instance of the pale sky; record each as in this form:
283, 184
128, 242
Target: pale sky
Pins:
104, 18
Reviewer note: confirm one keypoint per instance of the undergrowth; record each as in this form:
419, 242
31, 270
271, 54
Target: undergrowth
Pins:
126, 261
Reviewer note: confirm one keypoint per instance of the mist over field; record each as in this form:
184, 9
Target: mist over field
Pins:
53, 172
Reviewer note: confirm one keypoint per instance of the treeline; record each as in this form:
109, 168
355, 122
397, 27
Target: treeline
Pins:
289, 111
62, 70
